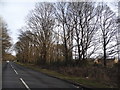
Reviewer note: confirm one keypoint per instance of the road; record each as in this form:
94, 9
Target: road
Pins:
17, 76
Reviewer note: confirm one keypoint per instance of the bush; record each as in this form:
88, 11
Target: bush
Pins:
104, 75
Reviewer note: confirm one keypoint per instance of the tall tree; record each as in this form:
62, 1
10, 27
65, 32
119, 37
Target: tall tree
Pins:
41, 22
85, 21
107, 28
6, 44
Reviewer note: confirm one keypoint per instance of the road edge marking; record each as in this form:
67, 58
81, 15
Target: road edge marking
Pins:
25, 84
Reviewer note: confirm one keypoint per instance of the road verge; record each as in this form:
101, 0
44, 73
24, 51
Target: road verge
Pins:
77, 81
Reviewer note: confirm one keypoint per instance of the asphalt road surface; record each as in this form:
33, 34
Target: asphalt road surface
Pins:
17, 76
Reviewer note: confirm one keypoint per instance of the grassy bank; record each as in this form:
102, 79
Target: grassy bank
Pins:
82, 81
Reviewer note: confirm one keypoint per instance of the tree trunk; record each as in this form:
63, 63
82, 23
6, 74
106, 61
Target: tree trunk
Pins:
104, 47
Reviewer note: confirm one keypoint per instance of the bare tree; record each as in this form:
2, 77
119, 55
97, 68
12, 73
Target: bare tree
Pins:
85, 25
6, 44
41, 22
107, 28
63, 17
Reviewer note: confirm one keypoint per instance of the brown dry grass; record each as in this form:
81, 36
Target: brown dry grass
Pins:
106, 76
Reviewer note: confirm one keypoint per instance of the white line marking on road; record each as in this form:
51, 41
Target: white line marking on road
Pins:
15, 71
25, 84
12, 66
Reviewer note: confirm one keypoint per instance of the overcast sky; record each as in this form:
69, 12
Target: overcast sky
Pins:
14, 14
15, 11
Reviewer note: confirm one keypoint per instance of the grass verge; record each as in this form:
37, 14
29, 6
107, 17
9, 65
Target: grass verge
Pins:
79, 80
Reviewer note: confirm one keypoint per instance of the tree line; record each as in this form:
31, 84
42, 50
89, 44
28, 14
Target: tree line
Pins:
68, 33
5, 39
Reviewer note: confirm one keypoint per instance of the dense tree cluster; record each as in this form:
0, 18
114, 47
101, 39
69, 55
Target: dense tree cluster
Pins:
5, 38
65, 31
